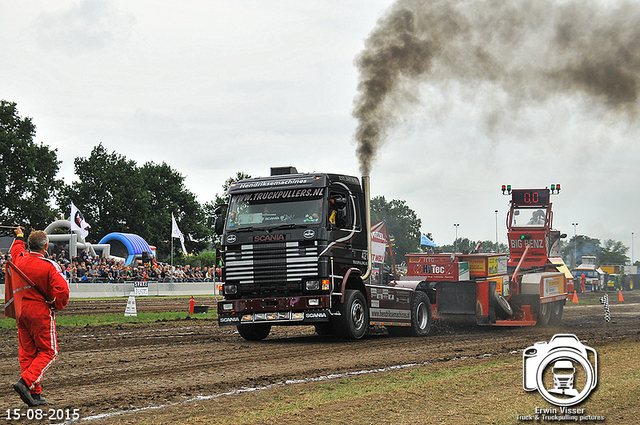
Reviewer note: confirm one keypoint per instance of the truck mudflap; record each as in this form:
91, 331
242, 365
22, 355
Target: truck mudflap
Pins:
275, 317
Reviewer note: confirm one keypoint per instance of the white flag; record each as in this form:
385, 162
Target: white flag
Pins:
176, 233
78, 223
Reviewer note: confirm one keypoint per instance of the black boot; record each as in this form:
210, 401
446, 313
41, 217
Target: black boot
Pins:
22, 390
38, 399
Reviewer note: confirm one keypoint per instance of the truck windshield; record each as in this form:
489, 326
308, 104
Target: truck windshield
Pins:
529, 217
245, 213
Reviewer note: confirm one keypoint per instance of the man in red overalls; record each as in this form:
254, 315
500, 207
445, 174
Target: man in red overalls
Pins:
36, 323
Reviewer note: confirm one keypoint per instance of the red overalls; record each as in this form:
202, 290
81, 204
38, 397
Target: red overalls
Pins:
36, 325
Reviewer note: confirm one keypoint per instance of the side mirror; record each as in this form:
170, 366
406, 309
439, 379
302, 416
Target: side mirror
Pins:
219, 225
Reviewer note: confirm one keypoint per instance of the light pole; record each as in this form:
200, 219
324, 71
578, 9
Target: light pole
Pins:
575, 245
496, 230
455, 242
632, 248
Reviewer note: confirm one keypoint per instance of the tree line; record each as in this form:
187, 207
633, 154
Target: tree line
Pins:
113, 193
116, 194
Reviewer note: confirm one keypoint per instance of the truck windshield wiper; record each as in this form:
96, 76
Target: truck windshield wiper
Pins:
289, 226
245, 229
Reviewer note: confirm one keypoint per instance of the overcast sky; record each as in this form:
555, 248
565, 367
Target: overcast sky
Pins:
216, 87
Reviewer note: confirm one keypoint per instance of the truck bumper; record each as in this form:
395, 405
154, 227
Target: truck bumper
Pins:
285, 310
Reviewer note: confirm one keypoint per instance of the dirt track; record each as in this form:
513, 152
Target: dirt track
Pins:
116, 368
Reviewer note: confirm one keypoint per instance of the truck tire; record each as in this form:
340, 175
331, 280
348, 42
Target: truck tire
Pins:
556, 312
420, 318
255, 332
353, 320
501, 306
420, 315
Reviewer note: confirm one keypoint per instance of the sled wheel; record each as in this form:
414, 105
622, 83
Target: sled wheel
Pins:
556, 312
545, 313
502, 307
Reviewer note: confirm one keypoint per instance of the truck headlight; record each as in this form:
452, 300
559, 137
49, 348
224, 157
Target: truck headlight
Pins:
230, 289
313, 302
227, 306
312, 285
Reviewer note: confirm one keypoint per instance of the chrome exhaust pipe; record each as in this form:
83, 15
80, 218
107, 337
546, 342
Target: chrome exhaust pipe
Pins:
367, 207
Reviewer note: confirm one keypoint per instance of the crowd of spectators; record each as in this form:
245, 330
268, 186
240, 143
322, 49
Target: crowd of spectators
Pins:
87, 268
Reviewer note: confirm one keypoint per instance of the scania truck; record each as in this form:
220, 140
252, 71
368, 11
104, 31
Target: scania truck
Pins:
296, 252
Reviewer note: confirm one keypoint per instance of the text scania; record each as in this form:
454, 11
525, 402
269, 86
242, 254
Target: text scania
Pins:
279, 194
269, 238
519, 243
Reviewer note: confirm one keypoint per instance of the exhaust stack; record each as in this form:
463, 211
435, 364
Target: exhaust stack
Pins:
367, 206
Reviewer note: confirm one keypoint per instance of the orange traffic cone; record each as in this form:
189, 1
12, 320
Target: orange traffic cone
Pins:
620, 296
575, 297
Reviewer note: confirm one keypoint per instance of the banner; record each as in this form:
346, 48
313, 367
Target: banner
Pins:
424, 240
176, 233
78, 222
378, 242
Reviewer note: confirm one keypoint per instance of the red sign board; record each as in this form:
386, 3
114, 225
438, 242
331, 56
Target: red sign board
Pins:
437, 267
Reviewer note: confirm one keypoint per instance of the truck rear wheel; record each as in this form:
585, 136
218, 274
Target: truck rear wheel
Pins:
354, 316
255, 332
420, 315
420, 318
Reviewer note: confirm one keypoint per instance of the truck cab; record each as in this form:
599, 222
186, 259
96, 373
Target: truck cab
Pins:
290, 243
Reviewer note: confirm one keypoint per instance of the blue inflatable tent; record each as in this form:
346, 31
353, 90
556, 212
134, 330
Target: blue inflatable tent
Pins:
126, 245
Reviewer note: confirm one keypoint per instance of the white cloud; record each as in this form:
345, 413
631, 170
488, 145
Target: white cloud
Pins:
87, 26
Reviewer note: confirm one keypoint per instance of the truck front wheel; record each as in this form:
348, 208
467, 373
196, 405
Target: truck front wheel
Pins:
255, 332
354, 316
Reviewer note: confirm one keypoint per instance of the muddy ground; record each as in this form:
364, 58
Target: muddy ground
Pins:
116, 368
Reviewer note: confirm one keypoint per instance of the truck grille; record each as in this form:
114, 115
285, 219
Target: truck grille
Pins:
271, 269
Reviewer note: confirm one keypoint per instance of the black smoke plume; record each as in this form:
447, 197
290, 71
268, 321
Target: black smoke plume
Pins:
529, 50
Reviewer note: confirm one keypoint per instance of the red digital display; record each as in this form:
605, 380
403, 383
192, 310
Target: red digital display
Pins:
530, 197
